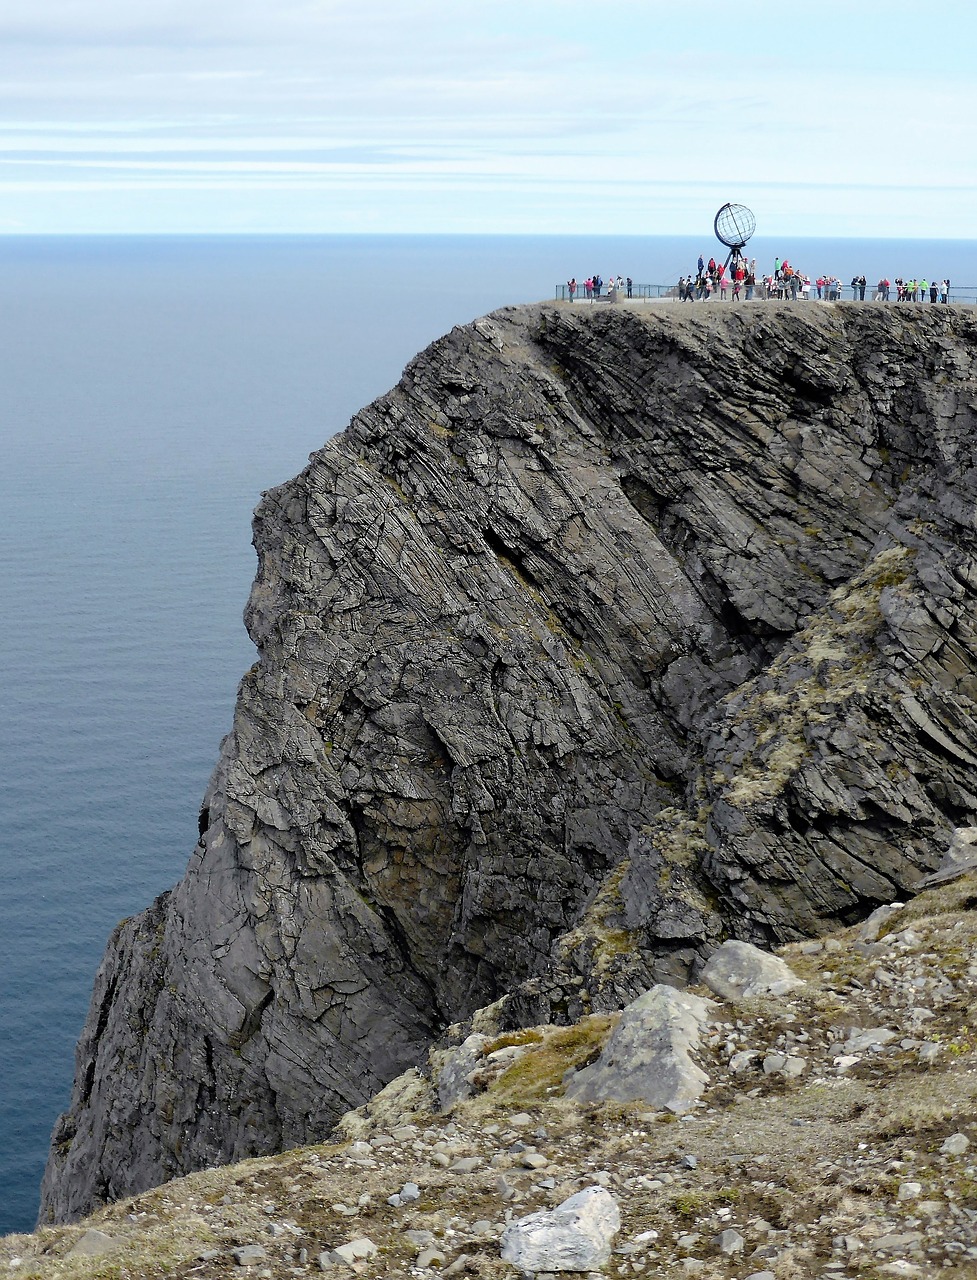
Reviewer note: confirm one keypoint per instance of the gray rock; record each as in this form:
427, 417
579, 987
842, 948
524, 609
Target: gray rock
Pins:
861, 1039
533, 1160
430, 1257
352, 1252
453, 1068
870, 928
730, 1241
575, 1236
740, 971
960, 857
92, 1244
896, 1241
249, 1255
648, 1056
955, 1145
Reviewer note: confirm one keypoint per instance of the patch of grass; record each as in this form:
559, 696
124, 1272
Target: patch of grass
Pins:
689, 1204
540, 1072
511, 1039
914, 1117
957, 898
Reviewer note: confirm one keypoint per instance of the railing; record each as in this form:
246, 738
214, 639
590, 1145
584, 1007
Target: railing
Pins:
960, 294
644, 292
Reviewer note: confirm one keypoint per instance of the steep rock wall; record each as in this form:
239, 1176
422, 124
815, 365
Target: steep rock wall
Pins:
603, 635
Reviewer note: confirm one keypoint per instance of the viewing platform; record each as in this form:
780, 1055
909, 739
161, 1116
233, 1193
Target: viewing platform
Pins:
662, 293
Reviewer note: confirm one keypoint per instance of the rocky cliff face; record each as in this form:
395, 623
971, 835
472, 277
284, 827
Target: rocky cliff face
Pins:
603, 636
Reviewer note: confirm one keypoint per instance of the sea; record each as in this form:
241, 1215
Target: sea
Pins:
150, 389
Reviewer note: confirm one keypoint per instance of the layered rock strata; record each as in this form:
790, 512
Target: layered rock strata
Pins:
603, 636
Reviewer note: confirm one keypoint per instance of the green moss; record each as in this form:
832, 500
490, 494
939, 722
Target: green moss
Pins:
540, 1072
689, 1204
513, 1038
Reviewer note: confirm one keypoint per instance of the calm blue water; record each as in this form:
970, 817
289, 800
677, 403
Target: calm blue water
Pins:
150, 390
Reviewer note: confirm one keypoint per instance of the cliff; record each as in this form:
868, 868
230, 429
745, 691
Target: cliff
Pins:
603, 636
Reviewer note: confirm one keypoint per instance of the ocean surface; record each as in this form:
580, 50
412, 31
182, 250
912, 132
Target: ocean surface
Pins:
151, 389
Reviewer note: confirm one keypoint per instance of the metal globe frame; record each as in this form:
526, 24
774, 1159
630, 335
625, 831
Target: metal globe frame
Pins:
733, 225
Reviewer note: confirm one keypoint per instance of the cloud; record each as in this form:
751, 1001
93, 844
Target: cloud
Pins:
636, 99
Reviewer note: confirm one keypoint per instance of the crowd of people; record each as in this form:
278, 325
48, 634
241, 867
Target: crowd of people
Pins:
593, 286
739, 279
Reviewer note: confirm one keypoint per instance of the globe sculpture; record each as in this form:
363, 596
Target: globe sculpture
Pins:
734, 225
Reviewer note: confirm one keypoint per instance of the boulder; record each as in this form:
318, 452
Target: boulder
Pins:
575, 1236
648, 1057
960, 857
739, 971
92, 1245
348, 1254
454, 1066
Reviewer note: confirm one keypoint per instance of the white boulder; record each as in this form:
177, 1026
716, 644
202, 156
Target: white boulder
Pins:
575, 1236
740, 971
648, 1055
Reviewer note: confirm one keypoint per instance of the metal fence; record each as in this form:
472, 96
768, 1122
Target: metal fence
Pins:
960, 294
644, 292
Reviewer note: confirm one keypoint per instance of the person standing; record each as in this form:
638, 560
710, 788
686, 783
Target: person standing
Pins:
934, 291
588, 287
630, 284
945, 292
750, 282
572, 287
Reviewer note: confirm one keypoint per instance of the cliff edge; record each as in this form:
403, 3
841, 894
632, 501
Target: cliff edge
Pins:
603, 636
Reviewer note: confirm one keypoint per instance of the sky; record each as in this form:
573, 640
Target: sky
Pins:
831, 118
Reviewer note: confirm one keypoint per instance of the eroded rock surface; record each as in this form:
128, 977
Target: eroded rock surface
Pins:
601, 637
